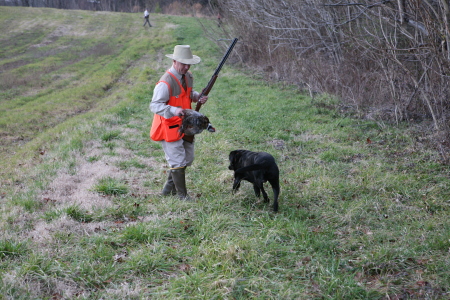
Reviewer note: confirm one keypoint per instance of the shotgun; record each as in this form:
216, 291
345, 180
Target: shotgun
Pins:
207, 89
211, 82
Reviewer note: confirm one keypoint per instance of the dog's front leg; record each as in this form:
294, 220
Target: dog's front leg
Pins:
236, 184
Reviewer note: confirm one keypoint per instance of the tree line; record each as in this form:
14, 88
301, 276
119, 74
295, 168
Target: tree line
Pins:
157, 6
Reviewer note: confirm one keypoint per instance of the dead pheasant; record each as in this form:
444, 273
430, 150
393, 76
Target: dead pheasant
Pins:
194, 123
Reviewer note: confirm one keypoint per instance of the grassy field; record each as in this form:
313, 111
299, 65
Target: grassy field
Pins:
363, 207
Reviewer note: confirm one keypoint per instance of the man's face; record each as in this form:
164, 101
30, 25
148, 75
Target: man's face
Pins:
180, 67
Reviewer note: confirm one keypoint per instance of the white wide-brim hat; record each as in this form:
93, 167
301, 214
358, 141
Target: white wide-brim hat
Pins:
183, 54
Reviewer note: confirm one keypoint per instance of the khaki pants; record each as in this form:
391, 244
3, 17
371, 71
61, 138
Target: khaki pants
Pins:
179, 154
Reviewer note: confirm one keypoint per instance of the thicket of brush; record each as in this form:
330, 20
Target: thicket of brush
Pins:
385, 60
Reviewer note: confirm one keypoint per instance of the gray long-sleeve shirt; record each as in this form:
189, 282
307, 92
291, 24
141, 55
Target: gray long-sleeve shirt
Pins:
161, 95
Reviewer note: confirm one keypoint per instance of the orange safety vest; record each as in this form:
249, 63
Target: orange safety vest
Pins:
167, 129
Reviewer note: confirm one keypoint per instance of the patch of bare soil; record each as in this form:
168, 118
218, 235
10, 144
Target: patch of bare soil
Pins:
13, 65
75, 187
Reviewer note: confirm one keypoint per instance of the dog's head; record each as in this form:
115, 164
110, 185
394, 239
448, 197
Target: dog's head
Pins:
234, 158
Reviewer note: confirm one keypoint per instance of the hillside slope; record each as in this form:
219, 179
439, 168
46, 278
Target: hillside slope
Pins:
363, 206
57, 64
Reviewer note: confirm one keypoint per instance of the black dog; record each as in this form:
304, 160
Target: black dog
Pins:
257, 168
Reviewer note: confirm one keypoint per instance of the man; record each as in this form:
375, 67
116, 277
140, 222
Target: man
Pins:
146, 16
171, 95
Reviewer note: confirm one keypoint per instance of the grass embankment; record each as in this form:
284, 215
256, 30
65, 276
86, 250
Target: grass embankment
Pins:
363, 207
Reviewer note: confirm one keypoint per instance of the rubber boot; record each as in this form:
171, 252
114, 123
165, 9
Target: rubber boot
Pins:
179, 179
169, 187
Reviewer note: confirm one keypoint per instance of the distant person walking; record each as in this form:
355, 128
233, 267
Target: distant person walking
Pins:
146, 16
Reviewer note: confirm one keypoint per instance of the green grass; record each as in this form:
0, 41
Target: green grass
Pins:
9, 248
363, 205
110, 186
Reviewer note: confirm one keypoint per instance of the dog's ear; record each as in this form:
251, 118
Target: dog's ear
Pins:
232, 155
233, 159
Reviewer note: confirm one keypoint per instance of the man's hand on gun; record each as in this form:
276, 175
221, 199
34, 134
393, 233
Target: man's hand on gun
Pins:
203, 99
